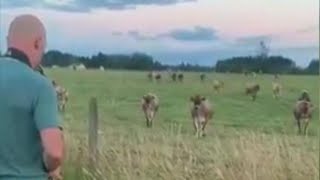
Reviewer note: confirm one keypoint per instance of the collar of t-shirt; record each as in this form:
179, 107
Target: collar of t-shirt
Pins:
18, 55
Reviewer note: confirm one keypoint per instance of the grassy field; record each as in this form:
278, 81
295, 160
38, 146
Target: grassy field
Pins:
245, 140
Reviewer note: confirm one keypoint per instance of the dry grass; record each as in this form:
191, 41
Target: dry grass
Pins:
239, 156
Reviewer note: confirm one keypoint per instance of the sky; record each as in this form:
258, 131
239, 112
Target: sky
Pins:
174, 31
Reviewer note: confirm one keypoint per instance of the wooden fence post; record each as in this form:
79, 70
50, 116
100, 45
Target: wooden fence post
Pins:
93, 131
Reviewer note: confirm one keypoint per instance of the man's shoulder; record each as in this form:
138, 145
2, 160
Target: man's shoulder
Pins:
29, 74
6, 59
42, 81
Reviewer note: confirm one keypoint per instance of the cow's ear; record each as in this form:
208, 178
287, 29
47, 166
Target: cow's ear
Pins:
144, 97
203, 98
192, 98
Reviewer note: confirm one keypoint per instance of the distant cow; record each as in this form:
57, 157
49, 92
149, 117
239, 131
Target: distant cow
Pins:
150, 76
158, 77
154, 75
62, 96
202, 77
79, 67
174, 76
201, 113
303, 113
150, 106
254, 75
252, 90
276, 89
180, 77
217, 85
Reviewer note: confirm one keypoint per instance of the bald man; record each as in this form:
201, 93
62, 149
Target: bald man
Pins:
31, 142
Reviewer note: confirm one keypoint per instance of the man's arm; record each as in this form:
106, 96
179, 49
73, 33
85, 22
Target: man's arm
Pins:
46, 119
52, 142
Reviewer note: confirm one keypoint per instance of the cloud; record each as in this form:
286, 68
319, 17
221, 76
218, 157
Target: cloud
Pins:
138, 36
86, 5
194, 34
117, 33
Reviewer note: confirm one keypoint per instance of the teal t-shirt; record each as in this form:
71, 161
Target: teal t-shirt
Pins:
28, 104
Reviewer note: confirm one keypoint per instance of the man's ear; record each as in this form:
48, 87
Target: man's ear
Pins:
37, 44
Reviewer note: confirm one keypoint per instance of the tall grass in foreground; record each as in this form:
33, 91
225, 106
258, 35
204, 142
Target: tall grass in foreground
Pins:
243, 155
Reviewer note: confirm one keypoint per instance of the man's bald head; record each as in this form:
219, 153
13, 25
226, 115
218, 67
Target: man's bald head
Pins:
27, 34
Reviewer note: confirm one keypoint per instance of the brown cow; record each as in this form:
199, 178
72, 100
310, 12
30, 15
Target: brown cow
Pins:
62, 96
150, 106
303, 113
202, 77
180, 77
174, 77
217, 85
150, 76
276, 89
158, 77
201, 113
252, 89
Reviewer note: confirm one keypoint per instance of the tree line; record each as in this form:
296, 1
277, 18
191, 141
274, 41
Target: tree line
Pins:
142, 61
269, 65
136, 61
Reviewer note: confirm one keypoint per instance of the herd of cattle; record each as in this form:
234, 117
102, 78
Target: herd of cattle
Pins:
201, 111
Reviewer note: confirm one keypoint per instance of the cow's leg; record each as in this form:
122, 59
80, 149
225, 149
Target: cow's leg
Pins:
306, 123
60, 107
147, 121
197, 128
200, 125
299, 125
150, 122
63, 107
201, 134
254, 96
151, 117
204, 127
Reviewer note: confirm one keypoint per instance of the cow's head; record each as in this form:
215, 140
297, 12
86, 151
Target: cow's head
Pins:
197, 100
148, 98
305, 96
257, 87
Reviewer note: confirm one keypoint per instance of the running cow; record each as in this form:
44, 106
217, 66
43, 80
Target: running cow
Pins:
201, 113
150, 106
62, 96
303, 113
